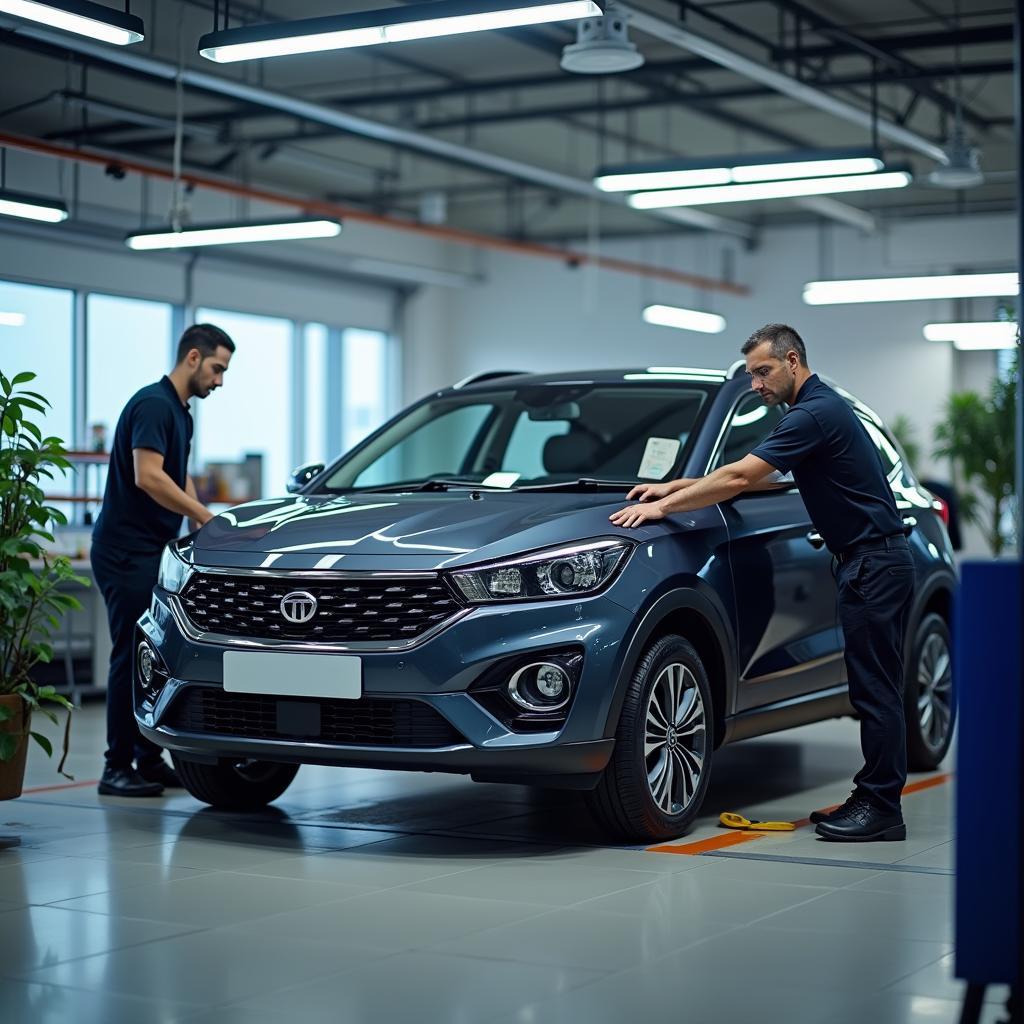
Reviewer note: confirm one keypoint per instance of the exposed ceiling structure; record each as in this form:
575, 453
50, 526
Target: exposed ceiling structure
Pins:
486, 133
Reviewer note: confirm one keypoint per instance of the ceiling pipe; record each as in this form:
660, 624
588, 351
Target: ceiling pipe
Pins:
337, 210
376, 130
675, 34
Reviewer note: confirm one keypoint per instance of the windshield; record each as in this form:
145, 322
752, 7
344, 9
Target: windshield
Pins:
533, 436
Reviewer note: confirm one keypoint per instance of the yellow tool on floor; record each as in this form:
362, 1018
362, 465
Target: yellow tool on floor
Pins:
730, 820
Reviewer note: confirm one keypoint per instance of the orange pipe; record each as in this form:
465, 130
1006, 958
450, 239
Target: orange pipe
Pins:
339, 211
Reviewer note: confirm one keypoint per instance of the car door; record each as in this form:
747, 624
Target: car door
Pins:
788, 638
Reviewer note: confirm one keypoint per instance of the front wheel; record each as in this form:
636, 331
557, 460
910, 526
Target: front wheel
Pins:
235, 785
928, 702
654, 785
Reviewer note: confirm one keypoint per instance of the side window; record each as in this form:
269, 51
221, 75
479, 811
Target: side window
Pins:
750, 424
892, 462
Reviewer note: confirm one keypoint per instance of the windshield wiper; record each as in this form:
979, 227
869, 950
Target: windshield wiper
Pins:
584, 483
434, 484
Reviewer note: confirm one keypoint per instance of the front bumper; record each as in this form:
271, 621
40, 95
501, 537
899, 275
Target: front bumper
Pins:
437, 673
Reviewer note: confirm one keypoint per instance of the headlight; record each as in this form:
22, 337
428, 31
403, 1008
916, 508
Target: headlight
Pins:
174, 571
563, 572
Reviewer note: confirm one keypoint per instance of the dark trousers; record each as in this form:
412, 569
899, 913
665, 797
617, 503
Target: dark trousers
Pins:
875, 590
126, 582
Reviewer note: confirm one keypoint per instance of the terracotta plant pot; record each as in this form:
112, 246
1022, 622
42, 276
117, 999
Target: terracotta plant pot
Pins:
12, 772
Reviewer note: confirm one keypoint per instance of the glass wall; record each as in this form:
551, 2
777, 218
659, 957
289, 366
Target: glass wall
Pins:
295, 392
37, 334
316, 447
252, 413
365, 373
128, 345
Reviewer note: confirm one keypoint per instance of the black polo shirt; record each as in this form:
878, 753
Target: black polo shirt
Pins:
836, 466
130, 519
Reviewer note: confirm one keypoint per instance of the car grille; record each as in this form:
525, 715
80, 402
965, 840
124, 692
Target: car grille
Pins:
367, 722
349, 609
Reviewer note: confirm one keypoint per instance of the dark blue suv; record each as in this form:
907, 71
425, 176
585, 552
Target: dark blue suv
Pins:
450, 596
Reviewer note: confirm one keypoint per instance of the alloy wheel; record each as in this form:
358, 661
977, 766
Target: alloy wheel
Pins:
675, 737
935, 690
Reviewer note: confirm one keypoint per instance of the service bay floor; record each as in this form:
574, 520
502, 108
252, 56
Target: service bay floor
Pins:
371, 896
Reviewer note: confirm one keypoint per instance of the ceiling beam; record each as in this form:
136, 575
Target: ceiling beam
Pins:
381, 132
812, 96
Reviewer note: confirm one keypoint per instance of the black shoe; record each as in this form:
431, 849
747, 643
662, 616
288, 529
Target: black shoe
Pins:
162, 773
816, 817
126, 782
862, 822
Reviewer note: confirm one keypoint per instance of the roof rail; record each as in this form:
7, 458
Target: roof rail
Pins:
477, 378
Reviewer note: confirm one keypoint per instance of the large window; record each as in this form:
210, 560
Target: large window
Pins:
365, 384
316, 339
251, 414
128, 345
37, 334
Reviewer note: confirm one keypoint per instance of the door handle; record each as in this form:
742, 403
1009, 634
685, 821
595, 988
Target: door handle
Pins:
816, 540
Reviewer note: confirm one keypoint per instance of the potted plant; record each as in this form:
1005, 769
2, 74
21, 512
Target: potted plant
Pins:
977, 436
31, 602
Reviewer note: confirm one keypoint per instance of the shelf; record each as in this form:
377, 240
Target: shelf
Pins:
94, 458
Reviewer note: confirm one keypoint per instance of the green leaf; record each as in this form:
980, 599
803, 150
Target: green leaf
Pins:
22, 378
43, 742
6, 714
9, 744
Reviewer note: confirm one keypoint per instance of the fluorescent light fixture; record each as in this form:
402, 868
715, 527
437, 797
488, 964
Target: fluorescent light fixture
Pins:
230, 234
768, 190
12, 319
732, 170
900, 289
393, 25
81, 17
975, 336
684, 320
20, 204
636, 181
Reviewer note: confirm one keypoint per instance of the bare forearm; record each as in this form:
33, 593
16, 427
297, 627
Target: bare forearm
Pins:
165, 492
721, 485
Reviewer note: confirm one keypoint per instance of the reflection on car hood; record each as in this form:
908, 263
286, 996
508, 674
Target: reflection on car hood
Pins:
424, 531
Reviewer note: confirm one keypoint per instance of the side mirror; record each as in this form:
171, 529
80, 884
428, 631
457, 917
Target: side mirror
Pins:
301, 476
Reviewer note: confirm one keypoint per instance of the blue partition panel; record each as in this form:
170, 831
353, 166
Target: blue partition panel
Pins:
989, 788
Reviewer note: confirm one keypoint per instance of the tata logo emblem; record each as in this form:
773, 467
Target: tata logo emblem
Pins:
298, 607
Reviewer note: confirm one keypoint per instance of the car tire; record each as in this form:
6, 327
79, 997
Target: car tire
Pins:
929, 700
235, 785
634, 801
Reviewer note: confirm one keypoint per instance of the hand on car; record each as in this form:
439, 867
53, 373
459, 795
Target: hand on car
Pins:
637, 515
649, 492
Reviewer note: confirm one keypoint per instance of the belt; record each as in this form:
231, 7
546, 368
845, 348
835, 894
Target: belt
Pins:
888, 543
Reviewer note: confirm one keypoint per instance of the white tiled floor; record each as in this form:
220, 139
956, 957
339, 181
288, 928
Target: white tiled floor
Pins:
387, 897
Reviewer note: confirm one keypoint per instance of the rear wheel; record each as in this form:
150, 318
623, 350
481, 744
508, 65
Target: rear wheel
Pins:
235, 785
655, 783
928, 702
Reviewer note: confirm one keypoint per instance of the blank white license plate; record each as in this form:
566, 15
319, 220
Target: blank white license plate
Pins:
282, 674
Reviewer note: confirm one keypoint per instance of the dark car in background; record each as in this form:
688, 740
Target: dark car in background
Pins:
450, 596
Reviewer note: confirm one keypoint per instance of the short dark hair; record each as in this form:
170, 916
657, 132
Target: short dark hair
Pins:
204, 337
783, 339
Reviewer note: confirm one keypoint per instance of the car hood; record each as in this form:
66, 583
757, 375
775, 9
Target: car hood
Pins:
413, 531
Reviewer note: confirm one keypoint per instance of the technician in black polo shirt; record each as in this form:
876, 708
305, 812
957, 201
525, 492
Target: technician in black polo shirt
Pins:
840, 477
148, 491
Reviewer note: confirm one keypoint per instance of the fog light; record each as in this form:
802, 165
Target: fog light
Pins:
540, 687
147, 664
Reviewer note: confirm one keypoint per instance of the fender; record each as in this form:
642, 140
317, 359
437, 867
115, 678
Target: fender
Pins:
936, 581
698, 596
